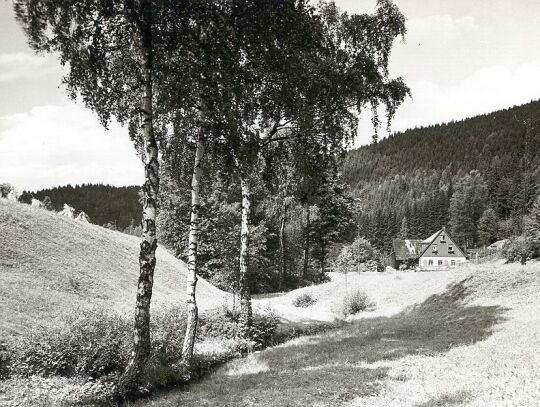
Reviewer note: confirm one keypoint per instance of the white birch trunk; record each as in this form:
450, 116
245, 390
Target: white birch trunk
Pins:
246, 317
192, 310
147, 255
306, 241
283, 243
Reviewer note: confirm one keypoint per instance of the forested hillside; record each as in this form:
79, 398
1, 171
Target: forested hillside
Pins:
117, 207
418, 180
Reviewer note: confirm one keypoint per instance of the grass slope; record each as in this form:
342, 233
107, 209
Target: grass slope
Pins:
391, 292
50, 265
472, 344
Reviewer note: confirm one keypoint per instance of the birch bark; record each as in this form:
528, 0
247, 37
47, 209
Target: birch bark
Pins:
246, 315
306, 241
194, 230
283, 243
147, 254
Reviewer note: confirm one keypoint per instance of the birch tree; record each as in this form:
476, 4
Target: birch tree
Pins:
192, 310
190, 95
114, 53
341, 66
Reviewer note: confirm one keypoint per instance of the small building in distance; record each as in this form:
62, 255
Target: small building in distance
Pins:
437, 252
405, 253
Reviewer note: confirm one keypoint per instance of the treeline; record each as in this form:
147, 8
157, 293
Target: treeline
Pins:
116, 207
416, 175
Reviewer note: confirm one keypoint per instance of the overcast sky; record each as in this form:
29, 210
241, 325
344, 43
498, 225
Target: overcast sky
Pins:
460, 58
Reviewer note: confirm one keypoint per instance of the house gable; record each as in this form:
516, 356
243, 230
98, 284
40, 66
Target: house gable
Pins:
440, 244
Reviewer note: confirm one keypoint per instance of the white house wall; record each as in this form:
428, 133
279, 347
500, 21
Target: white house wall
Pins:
446, 262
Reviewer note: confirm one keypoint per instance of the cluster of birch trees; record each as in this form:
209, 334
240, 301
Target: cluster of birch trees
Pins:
233, 78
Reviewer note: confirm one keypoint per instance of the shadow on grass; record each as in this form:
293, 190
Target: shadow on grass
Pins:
334, 367
448, 400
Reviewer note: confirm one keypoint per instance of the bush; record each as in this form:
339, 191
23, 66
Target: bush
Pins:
354, 302
521, 249
223, 323
358, 256
93, 348
92, 344
304, 300
264, 329
218, 324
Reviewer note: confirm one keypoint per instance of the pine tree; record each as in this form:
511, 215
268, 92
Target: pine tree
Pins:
488, 227
466, 208
404, 230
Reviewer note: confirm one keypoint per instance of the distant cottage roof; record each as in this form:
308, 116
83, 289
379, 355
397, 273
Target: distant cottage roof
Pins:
407, 248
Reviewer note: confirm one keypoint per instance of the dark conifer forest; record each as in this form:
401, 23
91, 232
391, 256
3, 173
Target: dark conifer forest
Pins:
116, 207
421, 178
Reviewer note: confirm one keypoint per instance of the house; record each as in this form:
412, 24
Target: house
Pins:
437, 252
405, 253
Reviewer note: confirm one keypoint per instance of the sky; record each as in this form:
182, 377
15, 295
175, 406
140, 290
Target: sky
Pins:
460, 58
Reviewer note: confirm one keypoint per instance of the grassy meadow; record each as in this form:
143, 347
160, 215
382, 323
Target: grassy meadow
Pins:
466, 337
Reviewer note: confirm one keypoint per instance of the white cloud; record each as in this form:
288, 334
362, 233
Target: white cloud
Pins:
56, 145
23, 65
484, 91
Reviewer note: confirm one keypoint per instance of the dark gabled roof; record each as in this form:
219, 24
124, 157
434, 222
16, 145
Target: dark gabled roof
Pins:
434, 237
407, 248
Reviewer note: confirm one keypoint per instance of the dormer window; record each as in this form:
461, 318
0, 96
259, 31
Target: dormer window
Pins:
443, 238
434, 249
450, 249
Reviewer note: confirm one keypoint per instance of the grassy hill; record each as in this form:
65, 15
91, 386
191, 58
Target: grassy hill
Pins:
50, 265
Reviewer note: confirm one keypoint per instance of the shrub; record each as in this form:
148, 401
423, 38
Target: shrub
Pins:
91, 344
218, 324
223, 323
5, 358
304, 300
5, 189
354, 302
521, 249
358, 256
93, 347
292, 330
264, 329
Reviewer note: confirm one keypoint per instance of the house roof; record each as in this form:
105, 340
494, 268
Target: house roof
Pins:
407, 248
432, 239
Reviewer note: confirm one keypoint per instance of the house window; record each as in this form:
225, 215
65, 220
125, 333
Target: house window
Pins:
453, 262
440, 262
434, 249
450, 249
430, 262
443, 238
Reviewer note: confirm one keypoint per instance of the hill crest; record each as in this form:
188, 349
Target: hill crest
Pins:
50, 264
